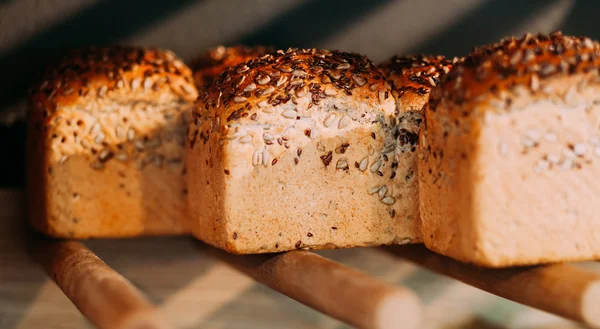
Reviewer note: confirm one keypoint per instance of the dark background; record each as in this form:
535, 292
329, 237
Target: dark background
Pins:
33, 33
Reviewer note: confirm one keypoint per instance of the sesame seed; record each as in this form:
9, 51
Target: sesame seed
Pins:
63, 159
329, 120
290, 114
363, 164
388, 200
135, 84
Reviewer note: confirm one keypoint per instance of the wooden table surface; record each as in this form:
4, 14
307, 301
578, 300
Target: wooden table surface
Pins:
196, 291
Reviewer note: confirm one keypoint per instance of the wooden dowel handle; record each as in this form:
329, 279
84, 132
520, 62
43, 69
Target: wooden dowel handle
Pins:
334, 289
105, 297
561, 289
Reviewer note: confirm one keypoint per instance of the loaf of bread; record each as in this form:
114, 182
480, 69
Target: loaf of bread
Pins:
106, 141
411, 79
296, 150
210, 65
509, 153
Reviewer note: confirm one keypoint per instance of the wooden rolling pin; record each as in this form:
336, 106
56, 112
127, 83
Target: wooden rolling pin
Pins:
105, 297
331, 288
561, 289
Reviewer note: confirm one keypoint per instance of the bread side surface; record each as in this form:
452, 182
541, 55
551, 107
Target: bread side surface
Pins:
106, 135
297, 151
508, 154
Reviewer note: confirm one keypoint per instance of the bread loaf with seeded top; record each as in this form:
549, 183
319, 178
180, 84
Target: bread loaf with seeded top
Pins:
106, 140
508, 155
411, 79
296, 150
210, 65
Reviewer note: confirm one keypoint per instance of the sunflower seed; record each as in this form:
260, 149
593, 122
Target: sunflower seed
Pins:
405, 241
580, 149
102, 91
266, 158
99, 138
282, 79
130, 134
363, 164
239, 99
360, 81
63, 159
343, 66
320, 146
257, 158
330, 91
300, 73
250, 87
388, 200
329, 120
245, 139
135, 84
147, 83
290, 114
344, 121
121, 156
119, 132
376, 165
268, 91
375, 189
342, 164
382, 192
263, 80
268, 137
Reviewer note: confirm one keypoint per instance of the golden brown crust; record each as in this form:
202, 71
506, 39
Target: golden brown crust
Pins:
208, 67
286, 75
103, 73
490, 70
413, 77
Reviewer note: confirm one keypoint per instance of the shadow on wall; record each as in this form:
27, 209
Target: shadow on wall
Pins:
488, 24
